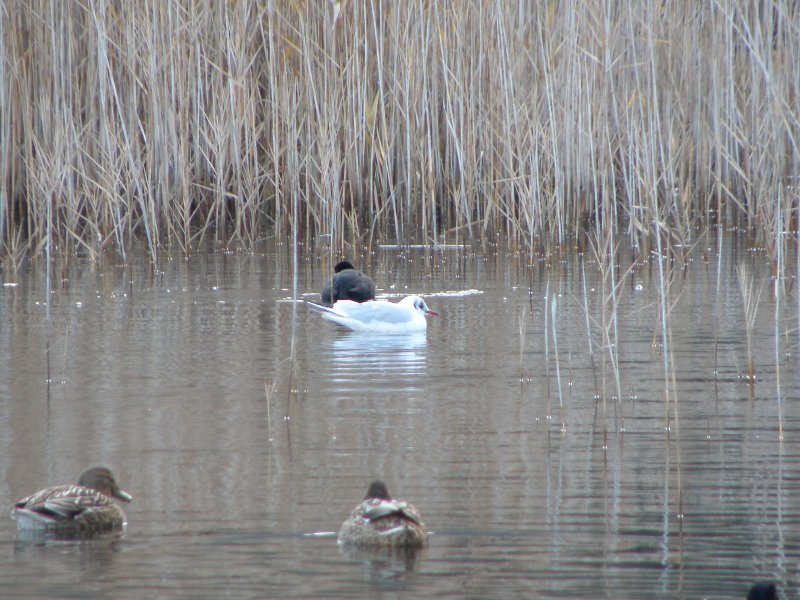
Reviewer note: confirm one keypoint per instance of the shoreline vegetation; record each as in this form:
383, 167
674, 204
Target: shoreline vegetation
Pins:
175, 122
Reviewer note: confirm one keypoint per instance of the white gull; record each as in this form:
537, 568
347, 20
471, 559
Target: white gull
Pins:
378, 315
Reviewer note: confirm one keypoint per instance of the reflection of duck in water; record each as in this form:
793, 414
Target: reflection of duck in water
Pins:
763, 590
384, 565
347, 284
381, 522
84, 508
378, 315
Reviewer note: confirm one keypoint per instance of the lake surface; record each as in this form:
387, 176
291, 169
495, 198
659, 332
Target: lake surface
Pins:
538, 475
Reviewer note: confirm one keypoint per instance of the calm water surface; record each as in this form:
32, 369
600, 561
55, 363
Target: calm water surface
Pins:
538, 479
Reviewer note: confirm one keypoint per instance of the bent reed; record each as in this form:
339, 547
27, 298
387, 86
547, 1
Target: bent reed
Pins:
175, 121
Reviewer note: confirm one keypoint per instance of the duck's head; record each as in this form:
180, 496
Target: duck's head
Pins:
102, 480
377, 490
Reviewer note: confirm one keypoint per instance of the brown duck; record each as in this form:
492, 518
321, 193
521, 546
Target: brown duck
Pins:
382, 522
80, 509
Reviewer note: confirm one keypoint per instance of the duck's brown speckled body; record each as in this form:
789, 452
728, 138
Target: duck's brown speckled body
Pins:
84, 508
382, 522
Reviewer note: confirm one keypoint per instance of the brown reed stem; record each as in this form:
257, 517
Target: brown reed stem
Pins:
178, 121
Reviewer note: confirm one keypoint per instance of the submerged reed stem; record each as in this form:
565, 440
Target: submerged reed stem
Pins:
751, 297
553, 321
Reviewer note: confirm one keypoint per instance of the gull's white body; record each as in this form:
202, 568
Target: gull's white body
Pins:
378, 315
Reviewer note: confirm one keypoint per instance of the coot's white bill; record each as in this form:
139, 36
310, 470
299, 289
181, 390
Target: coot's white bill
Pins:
378, 315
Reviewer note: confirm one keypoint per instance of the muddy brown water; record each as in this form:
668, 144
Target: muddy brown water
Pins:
243, 467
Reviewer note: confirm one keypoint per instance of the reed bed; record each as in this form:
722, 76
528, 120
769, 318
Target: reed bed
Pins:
176, 121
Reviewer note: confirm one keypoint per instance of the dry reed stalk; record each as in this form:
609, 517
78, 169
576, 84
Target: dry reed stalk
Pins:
667, 301
779, 290
553, 305
751, 297
779, 396
175, 121
605, 252
549, 409
269, 390
717, 310
588, 318
522, 322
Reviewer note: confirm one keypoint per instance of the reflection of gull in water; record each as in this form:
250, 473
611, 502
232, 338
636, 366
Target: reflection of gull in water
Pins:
356, 342
378, 315
367, 358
